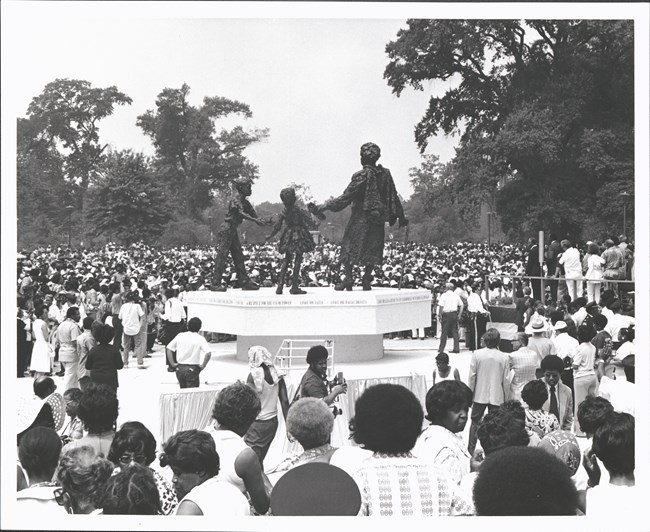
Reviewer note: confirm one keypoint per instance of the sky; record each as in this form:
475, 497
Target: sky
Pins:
316, 84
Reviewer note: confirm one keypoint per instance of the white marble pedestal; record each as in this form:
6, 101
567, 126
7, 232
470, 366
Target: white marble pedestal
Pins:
355, 320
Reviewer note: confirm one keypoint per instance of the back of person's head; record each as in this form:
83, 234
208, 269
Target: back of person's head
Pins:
39, 452
524, 481
501, 429
169, 293
628, 368
535, 394
194, 325
446, 396
191, 451
310, 421
82, 475
88, 323
316, 353
627, 334
236, 407
131, 491
105, 334
133, 437
388, 418
522, 338
580, 302
585, 333
491, 338
613, 443
98, 408
592, 412
43, 386
514, 408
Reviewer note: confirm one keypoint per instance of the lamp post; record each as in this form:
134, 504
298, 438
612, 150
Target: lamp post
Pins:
69, 208
489, 223
625, 196
210, 223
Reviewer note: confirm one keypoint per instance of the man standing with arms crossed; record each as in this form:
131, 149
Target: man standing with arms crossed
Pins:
450, 307
187, 348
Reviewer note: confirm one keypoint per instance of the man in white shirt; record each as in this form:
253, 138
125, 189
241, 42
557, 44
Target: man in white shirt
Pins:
450, 307
192, 353
617, 321
172, 317
67, 334
131, 314
570, 259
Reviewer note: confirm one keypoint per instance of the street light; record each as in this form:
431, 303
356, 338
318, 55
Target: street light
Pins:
69, 208
489, 222
625, 195
210, 222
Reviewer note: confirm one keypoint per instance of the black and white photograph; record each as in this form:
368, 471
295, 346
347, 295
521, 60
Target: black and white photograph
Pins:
284, 264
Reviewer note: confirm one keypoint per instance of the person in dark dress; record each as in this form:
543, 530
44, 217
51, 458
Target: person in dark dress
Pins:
374, 202
295, 239
104, 359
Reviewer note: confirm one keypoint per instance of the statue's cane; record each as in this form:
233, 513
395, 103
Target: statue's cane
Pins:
406, 241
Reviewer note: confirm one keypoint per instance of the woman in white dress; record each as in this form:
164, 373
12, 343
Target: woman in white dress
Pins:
42, 352
594, 272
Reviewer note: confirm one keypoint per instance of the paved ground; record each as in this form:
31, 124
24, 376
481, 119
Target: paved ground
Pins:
140, 388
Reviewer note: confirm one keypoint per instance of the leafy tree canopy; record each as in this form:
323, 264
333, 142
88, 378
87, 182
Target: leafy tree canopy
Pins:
543, 109
68, 112
192, 156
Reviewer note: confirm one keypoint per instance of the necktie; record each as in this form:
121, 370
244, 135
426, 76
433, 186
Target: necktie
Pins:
554, 408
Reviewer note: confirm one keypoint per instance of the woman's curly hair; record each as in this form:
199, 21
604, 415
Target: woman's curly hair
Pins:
133, 437
310, 421
98, 408
236, 407
131, 491
388, 418
191, 451
445, 396
83, 475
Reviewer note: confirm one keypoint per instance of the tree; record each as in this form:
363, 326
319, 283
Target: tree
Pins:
544, 110
126, 202
40, 186
433, 217
192, 157
68, 112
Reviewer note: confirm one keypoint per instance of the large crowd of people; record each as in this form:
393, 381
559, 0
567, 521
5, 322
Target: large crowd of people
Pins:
552, 422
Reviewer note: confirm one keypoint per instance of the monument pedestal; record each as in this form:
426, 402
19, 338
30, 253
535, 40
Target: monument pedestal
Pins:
355, 320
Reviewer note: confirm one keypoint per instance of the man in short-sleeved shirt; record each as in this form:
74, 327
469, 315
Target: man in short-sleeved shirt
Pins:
130, 315
450, 307
192, 353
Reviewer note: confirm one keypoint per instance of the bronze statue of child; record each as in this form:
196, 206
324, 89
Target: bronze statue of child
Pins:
294, 240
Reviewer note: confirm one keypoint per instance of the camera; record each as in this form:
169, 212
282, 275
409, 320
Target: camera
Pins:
335, 382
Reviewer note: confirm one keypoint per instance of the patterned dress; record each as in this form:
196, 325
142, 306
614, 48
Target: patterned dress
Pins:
296, 237
540, 422
401, 485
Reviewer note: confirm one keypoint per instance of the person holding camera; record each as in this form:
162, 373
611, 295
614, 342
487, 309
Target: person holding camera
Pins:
314, 381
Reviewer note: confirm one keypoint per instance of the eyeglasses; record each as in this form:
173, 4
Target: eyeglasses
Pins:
126, 459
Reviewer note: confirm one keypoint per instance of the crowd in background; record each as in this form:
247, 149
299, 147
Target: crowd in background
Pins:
94, 310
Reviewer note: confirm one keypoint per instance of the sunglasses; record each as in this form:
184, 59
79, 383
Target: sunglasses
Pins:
126, 459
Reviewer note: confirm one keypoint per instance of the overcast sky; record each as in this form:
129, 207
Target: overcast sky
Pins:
316, 84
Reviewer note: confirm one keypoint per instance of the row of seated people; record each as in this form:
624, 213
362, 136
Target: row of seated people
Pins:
395, 469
